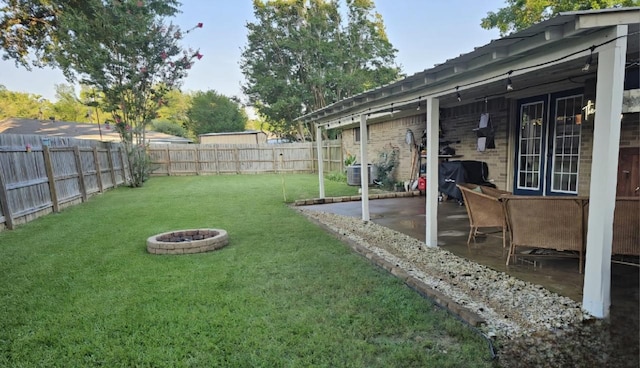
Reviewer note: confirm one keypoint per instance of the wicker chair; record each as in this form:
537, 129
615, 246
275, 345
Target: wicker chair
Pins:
626, 228
484, 209
555, 223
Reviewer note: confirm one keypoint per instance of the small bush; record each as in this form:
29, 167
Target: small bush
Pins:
339, 177
167, 127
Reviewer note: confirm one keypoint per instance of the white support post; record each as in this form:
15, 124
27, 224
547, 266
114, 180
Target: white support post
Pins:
431, 192
364, 168
320, 161
602, 192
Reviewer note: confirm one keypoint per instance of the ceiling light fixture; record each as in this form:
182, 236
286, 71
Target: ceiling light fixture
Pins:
587, 64
509, 83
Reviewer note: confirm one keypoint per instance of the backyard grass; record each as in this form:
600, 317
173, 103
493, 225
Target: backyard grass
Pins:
79, 289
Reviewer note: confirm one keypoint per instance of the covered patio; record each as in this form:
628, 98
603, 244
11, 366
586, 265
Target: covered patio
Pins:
585, 54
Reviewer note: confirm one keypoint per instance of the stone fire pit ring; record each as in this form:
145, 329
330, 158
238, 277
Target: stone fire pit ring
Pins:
187, 241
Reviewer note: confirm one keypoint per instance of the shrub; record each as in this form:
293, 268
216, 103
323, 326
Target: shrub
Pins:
387, 161
167, 127
349, 160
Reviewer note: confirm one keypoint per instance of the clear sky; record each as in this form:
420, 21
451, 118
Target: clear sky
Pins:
425, 32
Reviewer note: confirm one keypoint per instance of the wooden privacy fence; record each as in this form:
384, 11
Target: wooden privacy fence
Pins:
40, 175
212, 159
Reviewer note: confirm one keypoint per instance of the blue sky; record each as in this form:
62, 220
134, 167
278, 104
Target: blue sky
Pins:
425, 32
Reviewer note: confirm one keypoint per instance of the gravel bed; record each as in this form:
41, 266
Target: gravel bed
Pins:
531, 325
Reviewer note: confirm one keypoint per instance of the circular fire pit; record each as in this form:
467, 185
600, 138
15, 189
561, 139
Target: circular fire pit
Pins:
187, 241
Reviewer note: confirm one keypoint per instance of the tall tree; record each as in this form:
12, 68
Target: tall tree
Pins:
93, 100
125, 49
520, 14
302, 55
128, 52
212, 112
174, 107
67, 106
171, 117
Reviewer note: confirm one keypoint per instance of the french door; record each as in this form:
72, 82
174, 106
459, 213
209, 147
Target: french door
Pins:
548, 144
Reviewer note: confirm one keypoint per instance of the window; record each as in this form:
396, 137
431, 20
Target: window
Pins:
356, 134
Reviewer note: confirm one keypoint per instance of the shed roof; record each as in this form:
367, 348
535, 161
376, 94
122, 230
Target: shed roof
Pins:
246, 132
55, 128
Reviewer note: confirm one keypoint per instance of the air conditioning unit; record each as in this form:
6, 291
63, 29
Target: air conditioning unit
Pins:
353, 174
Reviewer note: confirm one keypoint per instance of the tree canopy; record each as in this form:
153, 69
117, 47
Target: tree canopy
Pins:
124, 49
30, 106
68, 107
211, 112
303, 55
37, 31
19, 104
520, 14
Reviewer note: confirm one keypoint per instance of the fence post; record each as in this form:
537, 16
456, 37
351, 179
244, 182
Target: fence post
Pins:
215, 153
197, 161
341, 164
123, 159
52, 181
313, 161
96, 159
4, 203
329, 161
237, 159
83, 188
168, 161
112, 171
275, 162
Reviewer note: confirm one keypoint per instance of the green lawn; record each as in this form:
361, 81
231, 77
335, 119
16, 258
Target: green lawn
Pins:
79, 289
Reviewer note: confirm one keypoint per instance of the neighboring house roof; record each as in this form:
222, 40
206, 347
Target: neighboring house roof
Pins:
482, 72
54, 128
246, 132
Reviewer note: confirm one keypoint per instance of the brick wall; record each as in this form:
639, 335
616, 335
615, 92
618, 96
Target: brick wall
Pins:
385, 136
629, 137
630, 130
458, 123
586, 153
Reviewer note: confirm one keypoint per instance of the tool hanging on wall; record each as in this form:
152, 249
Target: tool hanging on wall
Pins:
410, 140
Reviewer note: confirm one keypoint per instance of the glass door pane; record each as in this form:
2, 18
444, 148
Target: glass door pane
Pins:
530, 146
566, 140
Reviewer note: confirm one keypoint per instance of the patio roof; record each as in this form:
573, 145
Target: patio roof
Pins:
556, 45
